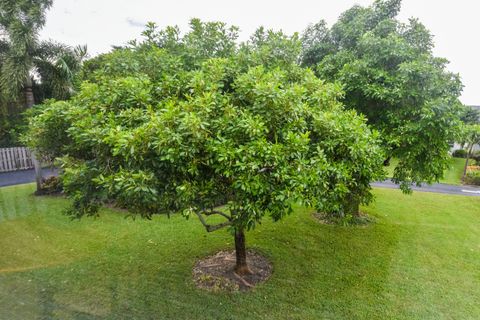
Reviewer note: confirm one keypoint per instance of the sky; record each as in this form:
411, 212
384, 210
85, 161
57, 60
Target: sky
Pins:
102, 23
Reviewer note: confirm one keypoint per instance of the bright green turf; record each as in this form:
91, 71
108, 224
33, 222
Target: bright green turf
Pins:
421, 260
455, 173
451, 176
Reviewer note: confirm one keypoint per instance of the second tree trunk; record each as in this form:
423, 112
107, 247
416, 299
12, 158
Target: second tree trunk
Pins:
351, 205
28, 91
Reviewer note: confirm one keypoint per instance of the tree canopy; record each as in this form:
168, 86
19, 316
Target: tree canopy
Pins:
197, 124
390, 75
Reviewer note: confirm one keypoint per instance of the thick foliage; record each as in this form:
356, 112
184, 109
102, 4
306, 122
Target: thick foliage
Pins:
171, 125
389, 74
470, 115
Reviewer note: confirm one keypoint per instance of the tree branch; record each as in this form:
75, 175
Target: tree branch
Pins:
212, 212
265, 169
209, 227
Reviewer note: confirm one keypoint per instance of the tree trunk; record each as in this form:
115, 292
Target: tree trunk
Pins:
466, 162
38, 172
29, 98
351, 206
241, 266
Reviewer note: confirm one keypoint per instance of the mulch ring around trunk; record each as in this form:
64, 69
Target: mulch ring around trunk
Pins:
362, 219
216, 273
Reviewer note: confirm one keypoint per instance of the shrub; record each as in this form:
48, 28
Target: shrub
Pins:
473, 178
476, 157
51, 185
459, 153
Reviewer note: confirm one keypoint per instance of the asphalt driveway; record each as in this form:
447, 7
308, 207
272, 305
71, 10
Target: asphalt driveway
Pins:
27, 176
436, 188
23, 176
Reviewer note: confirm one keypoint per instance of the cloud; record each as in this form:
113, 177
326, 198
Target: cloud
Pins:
135, 23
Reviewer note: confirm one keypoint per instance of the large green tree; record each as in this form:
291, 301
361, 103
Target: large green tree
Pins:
228, 137
390, 75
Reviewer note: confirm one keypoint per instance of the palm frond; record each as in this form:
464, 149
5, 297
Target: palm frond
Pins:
57, 65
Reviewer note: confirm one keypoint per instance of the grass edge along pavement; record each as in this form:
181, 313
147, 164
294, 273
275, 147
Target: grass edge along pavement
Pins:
453, 175
419, 260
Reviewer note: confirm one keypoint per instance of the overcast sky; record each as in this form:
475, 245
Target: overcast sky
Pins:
103, 23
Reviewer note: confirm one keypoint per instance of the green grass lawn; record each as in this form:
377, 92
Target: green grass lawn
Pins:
421, 260
454, 174
451, 176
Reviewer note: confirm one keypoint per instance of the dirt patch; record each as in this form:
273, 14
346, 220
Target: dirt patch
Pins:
322, 218
216, 273
362, 219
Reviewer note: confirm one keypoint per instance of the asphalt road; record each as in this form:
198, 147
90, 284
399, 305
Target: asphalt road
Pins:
435, 188
27, 176
22, 176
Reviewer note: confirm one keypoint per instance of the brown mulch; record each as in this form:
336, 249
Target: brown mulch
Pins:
216, 273
322, 218
362, 220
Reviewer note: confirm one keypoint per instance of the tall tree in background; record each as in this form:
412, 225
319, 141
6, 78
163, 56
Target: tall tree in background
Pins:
20, 23
470, 115
31, 70
390, 75
26, 61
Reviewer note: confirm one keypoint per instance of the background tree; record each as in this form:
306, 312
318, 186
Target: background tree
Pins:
31, 70
470, 115
226, 139
57, 68
390, 75
20, 22
471, 136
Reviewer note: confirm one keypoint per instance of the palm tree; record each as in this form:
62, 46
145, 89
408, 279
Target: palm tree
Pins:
20, 22
56, 68
26, 62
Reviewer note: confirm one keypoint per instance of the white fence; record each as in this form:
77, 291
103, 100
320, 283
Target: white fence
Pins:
13, 159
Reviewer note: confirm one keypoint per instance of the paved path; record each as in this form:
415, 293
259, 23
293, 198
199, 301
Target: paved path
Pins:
436, 188
26, 176
23, 176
